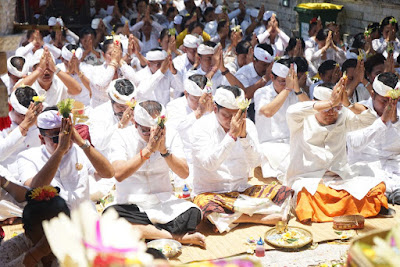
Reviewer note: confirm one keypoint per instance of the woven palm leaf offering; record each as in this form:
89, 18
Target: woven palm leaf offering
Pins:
243, 104
394, 93
78, 113
161, 121
132, 103
65, 107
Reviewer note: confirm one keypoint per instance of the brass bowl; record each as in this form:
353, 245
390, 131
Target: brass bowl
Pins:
272, 238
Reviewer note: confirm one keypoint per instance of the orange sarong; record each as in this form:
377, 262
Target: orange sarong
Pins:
327, 203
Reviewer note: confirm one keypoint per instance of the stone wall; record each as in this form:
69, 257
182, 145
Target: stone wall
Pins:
354, 17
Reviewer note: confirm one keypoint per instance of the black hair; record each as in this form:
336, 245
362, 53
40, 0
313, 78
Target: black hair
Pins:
124, 87
194, 25
233, 88
138, 1
170, 10
386, 21
322, 34
267, 48
152, 107
37, 211
221, 25
349, 63
371, 62
284, 61
208, 10
292, 44
327, 65
389, 79
86, 31
243, 47
106, 44
302, 64
210, 43
358, 41
374, 26
199, 79
184, 20
71, 47
18, 62
24, 95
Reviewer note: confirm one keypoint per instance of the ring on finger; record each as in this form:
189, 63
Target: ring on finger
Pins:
204, 101
66, 132
156, 138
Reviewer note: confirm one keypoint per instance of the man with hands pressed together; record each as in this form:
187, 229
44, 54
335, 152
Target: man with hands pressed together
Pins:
64, 159
143, 157
225, 148
324, 183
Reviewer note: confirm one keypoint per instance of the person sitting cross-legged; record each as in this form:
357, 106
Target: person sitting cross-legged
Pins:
225, 148
143, 156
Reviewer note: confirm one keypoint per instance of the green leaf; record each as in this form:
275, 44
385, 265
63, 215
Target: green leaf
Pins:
291, 240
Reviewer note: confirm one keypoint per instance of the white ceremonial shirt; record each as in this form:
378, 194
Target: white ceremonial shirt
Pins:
316, 149
74, 183
12, 142
247, 75
280, 44
8, 83
380, 45
182, 65
314, 57
273, 133
57, 91
157, 86
221, 164
150, 186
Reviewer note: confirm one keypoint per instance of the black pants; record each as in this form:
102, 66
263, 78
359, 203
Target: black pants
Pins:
185, 222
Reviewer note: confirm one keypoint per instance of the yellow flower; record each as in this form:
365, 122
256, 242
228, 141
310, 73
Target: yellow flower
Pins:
131, 104
236, 29
394, 93
39, 98
244, 104
345, 76
43, 193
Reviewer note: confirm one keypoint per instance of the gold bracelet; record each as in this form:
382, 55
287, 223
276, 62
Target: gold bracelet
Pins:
4, 186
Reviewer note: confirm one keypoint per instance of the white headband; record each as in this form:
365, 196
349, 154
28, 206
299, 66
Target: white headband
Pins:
322, 93
142, 117
205, 50
53, 21
381, 88
192, 88
225, 98
268, 14
263, 55
16, 105
156, 55
95, 23
191, 41
13, 70
49, 119
178, 19
281, 70
67, 55
116, 96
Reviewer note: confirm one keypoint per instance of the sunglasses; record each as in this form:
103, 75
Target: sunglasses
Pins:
54, 138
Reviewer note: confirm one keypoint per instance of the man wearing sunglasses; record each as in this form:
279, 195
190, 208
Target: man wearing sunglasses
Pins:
324, 183
64, 159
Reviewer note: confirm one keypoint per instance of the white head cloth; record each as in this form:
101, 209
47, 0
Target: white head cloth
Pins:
281, 70
49, 119
38, 56
142, 117
156, 55
268, 14
205, 50
191, 41
381, 88
218, 10
252, 12
192, 88
322, 92
95, 23
53, 21
226, 98
67, 54
178, 19
13, 70
116, 96
351, 55
16, 105
263, 55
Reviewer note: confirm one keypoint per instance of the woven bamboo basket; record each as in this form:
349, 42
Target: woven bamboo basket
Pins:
348, 222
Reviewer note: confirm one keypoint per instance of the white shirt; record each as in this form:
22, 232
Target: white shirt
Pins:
380, 45
360, 94
217, 80
12, 142
157, 86
280, 44
316, 149
8, 83
27, 52
211, 28
150, 186
274, 129
220, 163
103, 123
74, 183
154, 35
314, 57
182, 64
92, 59
57, 91
247, 75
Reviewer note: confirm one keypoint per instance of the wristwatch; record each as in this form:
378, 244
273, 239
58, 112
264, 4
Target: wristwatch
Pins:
166, 154
57, 71
299, 92
85, 145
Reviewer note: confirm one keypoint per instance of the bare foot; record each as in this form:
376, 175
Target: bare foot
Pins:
193, 238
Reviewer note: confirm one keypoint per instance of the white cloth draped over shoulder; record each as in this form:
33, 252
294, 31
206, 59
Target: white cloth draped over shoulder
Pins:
318, 152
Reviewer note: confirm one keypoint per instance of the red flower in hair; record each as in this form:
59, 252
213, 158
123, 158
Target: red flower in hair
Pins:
313, 20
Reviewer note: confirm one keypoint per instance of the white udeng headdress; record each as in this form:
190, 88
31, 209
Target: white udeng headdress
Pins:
16, 105
13, 70
192, 88
191, 41
381, 88
67, 54
263, 55
281, 70
322, 92
156, 55
205, 50
225, 98
142, 117
116, 96
49, 119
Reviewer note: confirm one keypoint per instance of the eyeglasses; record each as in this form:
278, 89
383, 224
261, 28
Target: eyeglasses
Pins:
336, 109
53, 138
